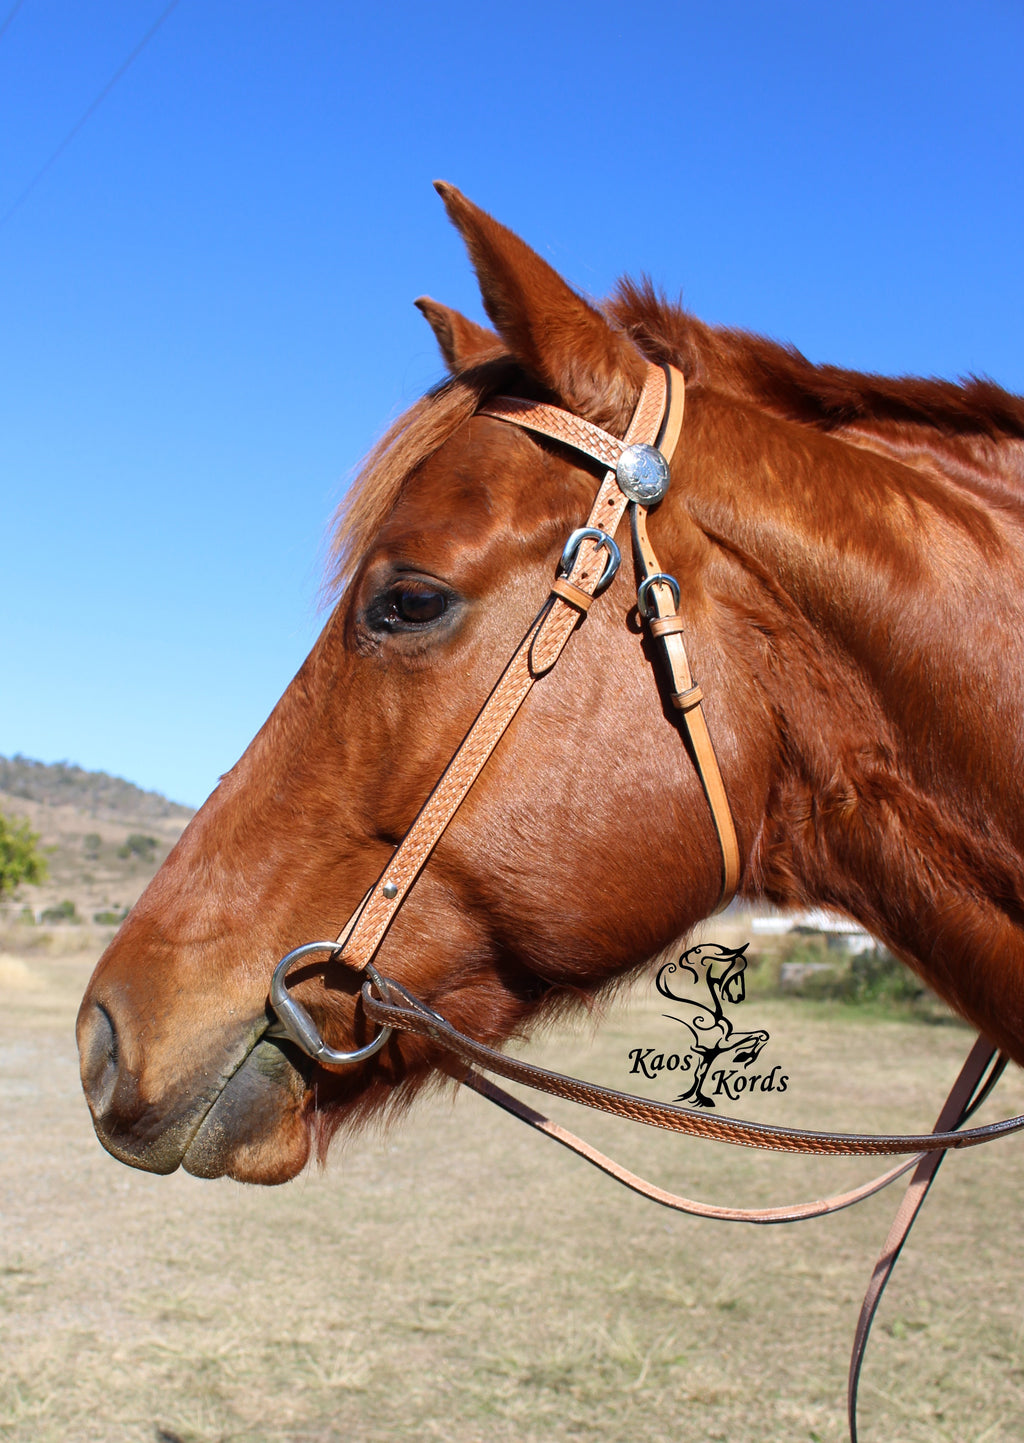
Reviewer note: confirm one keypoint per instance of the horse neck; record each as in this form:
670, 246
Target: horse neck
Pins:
990, 469
878, 608
890, 581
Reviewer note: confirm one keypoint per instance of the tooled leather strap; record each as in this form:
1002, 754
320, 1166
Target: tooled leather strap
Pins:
562, 426
797, 1212
535, 656
964, 1099
975, 1081
412, 1015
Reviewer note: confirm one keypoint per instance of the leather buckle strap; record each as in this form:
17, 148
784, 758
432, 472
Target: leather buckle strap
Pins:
663, 621
658, 601
658, 417
658, 610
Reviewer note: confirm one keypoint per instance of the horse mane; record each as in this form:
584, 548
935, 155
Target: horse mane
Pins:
780, 379
769, 374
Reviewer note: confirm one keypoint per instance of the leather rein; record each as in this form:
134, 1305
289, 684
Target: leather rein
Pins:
637, 477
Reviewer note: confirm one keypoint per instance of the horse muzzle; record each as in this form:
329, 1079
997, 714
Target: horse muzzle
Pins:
239, 1111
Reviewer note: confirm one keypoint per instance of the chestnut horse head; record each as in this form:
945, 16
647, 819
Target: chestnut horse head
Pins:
850, 557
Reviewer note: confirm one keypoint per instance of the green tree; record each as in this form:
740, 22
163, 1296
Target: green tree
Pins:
20, 857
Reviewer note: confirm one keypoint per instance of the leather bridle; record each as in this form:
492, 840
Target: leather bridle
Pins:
637, 477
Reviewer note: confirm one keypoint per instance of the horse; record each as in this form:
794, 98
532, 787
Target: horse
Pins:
848, 558
717, 975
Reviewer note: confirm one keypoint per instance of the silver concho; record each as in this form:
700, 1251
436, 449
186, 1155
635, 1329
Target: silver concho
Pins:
642, 474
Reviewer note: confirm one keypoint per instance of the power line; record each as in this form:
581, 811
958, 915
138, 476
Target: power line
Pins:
88, 113
10, 16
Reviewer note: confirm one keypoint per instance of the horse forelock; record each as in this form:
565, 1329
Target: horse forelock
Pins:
405, 446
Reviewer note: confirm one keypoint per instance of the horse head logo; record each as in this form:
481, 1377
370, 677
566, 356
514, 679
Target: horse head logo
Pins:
712, 975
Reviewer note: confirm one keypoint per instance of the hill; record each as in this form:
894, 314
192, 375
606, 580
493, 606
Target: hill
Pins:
104, 838
97, 793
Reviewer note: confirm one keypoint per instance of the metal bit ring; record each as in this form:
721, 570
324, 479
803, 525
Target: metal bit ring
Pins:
295, 1022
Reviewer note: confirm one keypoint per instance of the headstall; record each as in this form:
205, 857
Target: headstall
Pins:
637, 477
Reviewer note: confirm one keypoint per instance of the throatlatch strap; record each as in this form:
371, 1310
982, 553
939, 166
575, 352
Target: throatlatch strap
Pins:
666, 626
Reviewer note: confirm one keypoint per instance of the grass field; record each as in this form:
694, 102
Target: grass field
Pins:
461, 1279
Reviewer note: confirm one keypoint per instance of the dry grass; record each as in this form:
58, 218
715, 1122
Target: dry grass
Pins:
463, 1280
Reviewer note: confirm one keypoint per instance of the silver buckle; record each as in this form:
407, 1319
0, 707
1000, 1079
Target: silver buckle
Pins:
660, 578
600, 538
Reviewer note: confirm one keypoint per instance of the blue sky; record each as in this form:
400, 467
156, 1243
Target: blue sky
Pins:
205, 312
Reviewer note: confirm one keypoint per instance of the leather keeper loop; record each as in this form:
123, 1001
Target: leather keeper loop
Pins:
665, 625
685, 700
574, 595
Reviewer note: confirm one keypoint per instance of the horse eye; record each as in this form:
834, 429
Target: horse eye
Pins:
414, 606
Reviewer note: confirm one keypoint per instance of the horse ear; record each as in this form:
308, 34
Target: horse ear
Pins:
555, 334
463, 343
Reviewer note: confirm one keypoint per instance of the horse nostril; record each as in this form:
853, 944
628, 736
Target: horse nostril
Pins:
97, 1045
